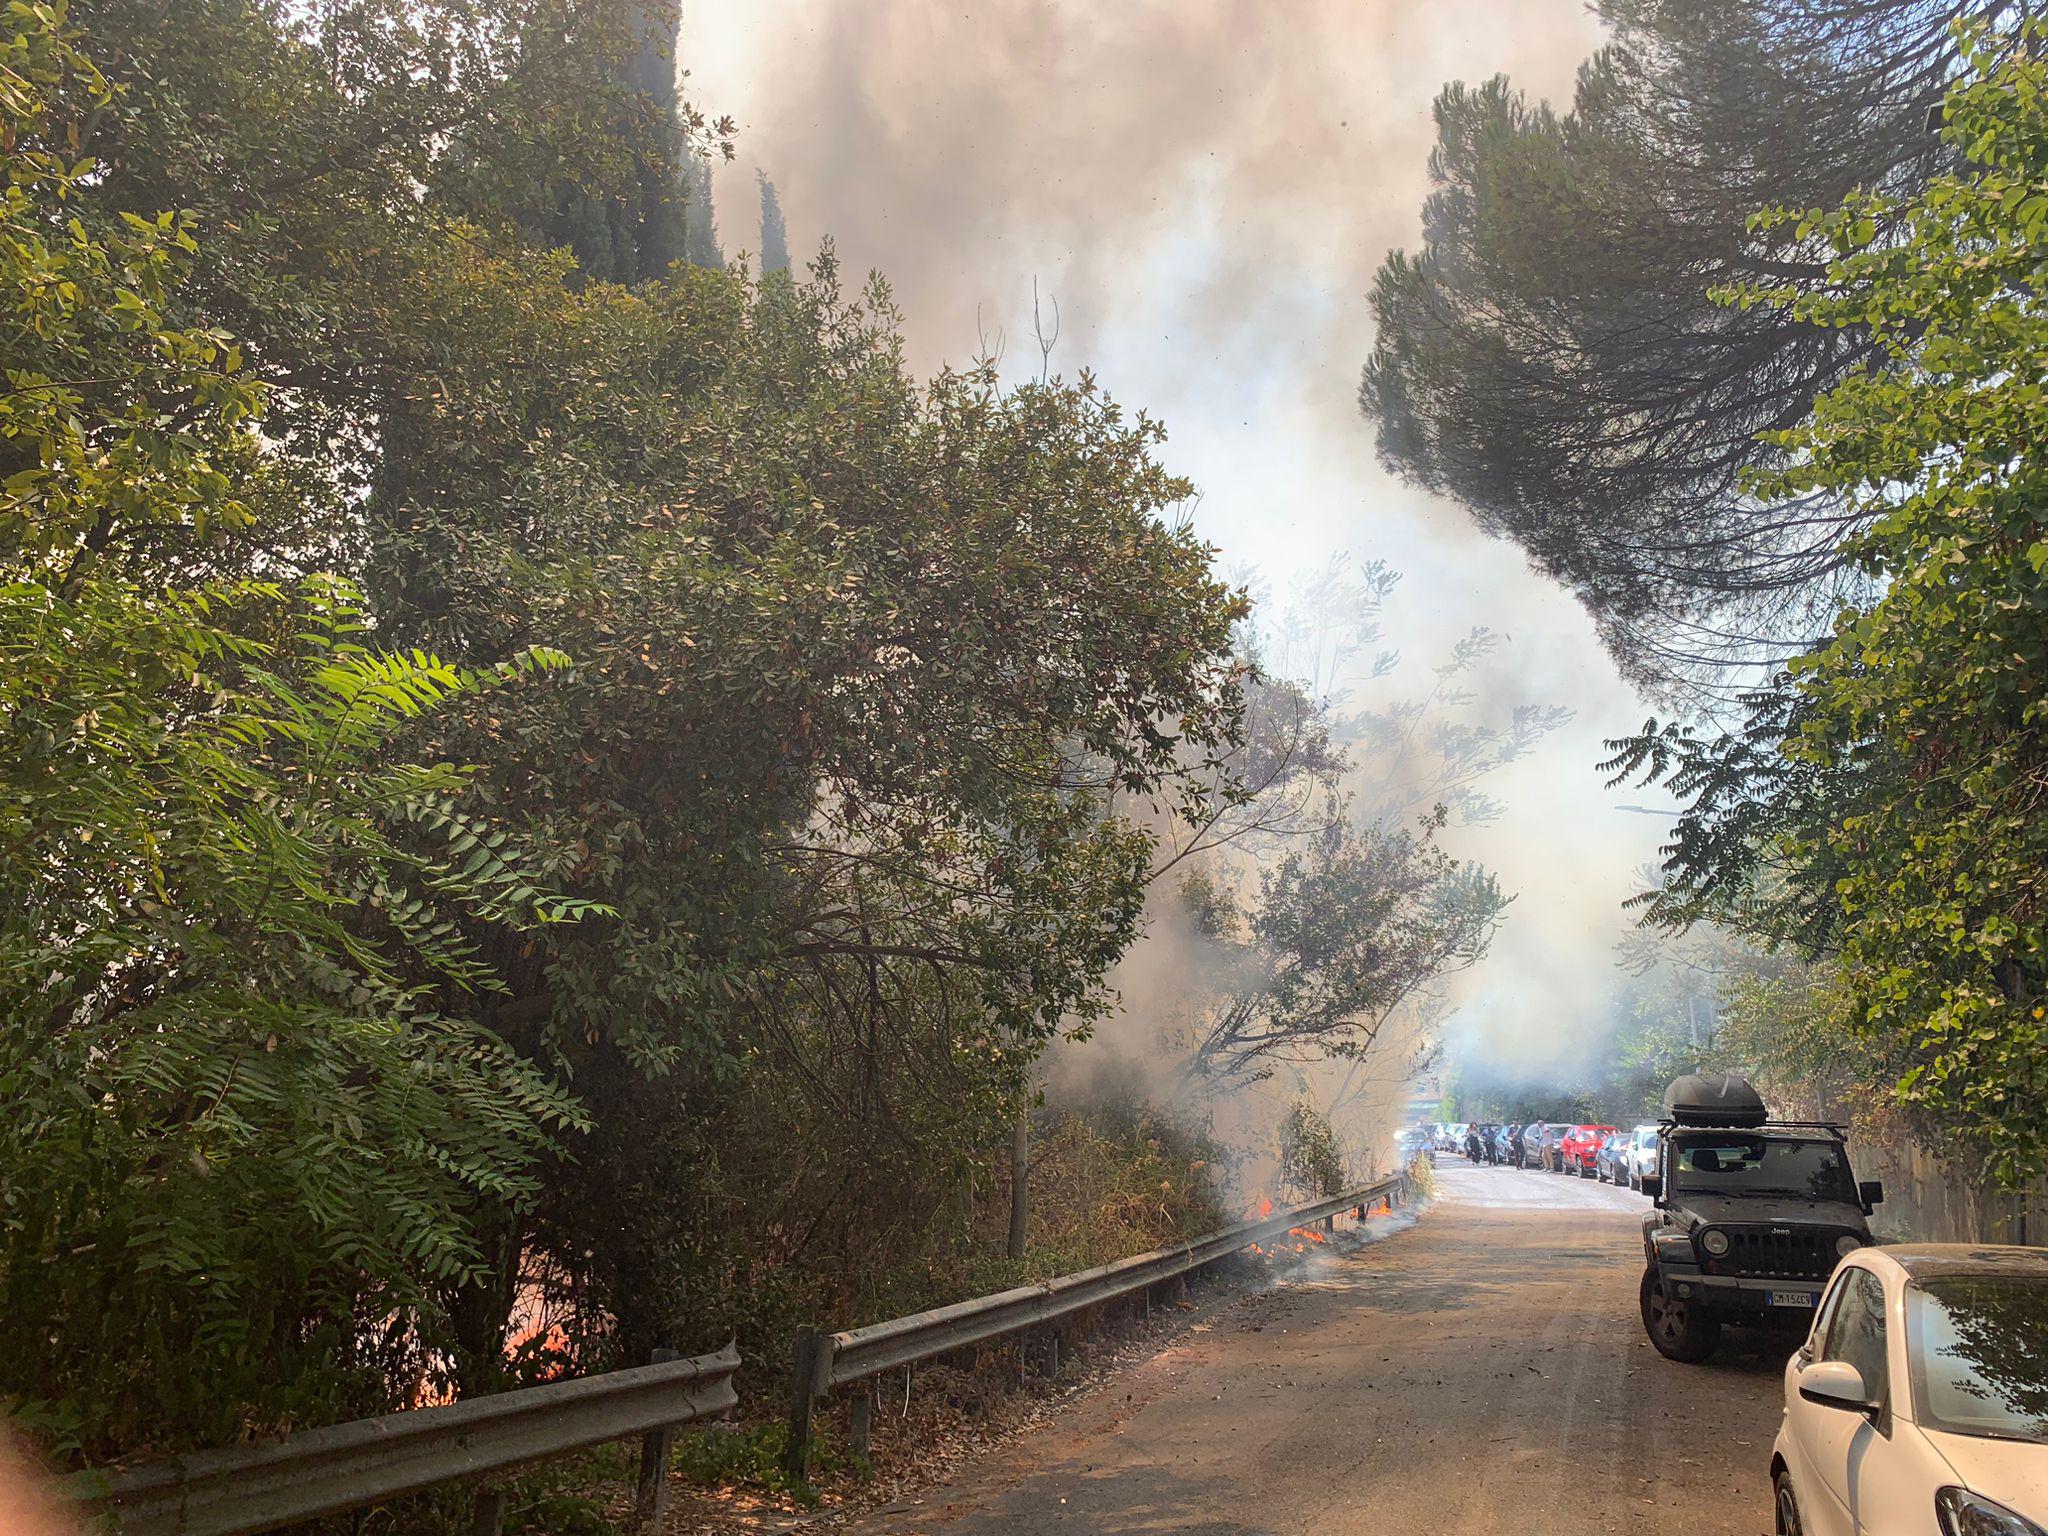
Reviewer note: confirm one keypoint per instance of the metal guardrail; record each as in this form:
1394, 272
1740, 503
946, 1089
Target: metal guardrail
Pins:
825, 1361
246, 1489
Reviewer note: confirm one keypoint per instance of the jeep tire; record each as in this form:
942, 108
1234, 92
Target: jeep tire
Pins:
1680, 1331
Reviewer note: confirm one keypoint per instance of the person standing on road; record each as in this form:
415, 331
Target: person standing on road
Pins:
1517, 1149
1472, 1144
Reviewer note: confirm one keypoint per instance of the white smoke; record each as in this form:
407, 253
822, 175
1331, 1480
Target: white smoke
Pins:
1205, 188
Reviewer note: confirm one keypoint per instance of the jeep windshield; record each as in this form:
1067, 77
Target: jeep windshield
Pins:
1741, 1163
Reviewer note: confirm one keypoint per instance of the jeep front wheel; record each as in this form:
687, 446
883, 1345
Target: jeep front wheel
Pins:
1680, 1331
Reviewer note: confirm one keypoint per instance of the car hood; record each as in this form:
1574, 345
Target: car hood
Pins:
2014, 1472
1769, 1210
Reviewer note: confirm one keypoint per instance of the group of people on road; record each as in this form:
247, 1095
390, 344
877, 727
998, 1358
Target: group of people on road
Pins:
1518, 1146
1494, 1144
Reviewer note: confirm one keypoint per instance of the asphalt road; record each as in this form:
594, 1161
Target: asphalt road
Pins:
1481, 1372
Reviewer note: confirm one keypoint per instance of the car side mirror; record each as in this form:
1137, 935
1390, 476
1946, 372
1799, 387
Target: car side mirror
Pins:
1836, 1384
1652, 1185
1871, 1193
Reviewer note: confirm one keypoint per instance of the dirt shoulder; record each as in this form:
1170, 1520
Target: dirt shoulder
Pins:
1482, 1372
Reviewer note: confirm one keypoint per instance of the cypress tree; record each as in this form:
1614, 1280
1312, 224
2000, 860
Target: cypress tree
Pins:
636, 234
700, 217
774, 234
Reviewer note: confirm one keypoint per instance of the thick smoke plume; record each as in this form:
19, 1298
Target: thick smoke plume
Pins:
1203, 189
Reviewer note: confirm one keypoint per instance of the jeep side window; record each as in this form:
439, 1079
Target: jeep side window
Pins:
1856, 1332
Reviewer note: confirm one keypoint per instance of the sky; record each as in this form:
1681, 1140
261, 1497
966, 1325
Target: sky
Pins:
1205, 188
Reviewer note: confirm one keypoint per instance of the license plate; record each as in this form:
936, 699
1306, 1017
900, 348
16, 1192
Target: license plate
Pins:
1792, 1298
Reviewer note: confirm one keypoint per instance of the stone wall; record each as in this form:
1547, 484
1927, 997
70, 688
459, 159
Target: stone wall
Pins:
1928, 1201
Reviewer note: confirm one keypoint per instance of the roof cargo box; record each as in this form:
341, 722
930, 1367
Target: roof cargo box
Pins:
1713, 1098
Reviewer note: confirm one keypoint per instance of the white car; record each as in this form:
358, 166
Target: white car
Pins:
1642, 1154
1919, 1402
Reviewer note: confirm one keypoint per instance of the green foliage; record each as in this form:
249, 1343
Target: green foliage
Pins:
700, 217
753, 1456
114, 417
874, 683
1903, 833
559, 1498
245, 1144
1422, 1178
1787, 1032
882, 690
1311, 1162
1345, 931
1549, 354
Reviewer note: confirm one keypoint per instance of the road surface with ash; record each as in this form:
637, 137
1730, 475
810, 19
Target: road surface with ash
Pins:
1482, 1372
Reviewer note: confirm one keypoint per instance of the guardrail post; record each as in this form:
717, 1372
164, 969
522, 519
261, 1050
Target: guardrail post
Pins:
650, 1497
860, 1429
810, 1371
489, 1518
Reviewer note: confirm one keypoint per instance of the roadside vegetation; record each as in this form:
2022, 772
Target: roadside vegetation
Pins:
554, 799
1836, 545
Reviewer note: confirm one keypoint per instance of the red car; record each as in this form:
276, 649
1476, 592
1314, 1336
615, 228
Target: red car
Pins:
1579, 1150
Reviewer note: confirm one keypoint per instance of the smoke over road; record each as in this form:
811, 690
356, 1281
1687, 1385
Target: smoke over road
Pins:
1204, 188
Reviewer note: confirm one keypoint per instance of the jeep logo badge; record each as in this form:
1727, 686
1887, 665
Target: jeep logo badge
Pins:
1781, 1231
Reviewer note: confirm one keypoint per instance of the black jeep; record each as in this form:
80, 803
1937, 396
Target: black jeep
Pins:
1750, 1216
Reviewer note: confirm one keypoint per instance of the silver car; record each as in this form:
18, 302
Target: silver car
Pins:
1540, 1144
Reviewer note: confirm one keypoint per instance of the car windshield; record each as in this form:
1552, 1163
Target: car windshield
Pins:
1735, 1163
1978, 1349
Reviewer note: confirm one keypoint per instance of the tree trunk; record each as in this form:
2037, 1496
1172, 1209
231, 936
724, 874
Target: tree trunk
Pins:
1020, 1179
480, 1311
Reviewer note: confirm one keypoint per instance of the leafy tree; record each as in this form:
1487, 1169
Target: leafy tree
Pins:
1907, 831
858, 666
339, 159
1786, 1029
1324, 781
859, 661
1549, 357
1345, 931
633, 232
247, 1144
881, 693
1311, 1162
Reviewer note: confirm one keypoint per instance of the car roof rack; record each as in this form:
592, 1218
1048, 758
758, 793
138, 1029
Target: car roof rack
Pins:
1837, 1127
1713, 1098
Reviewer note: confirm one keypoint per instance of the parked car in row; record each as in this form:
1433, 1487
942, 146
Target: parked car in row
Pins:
1539, 1144
1919, 1401
1579, 1149
1611, 1165
1642, 1156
